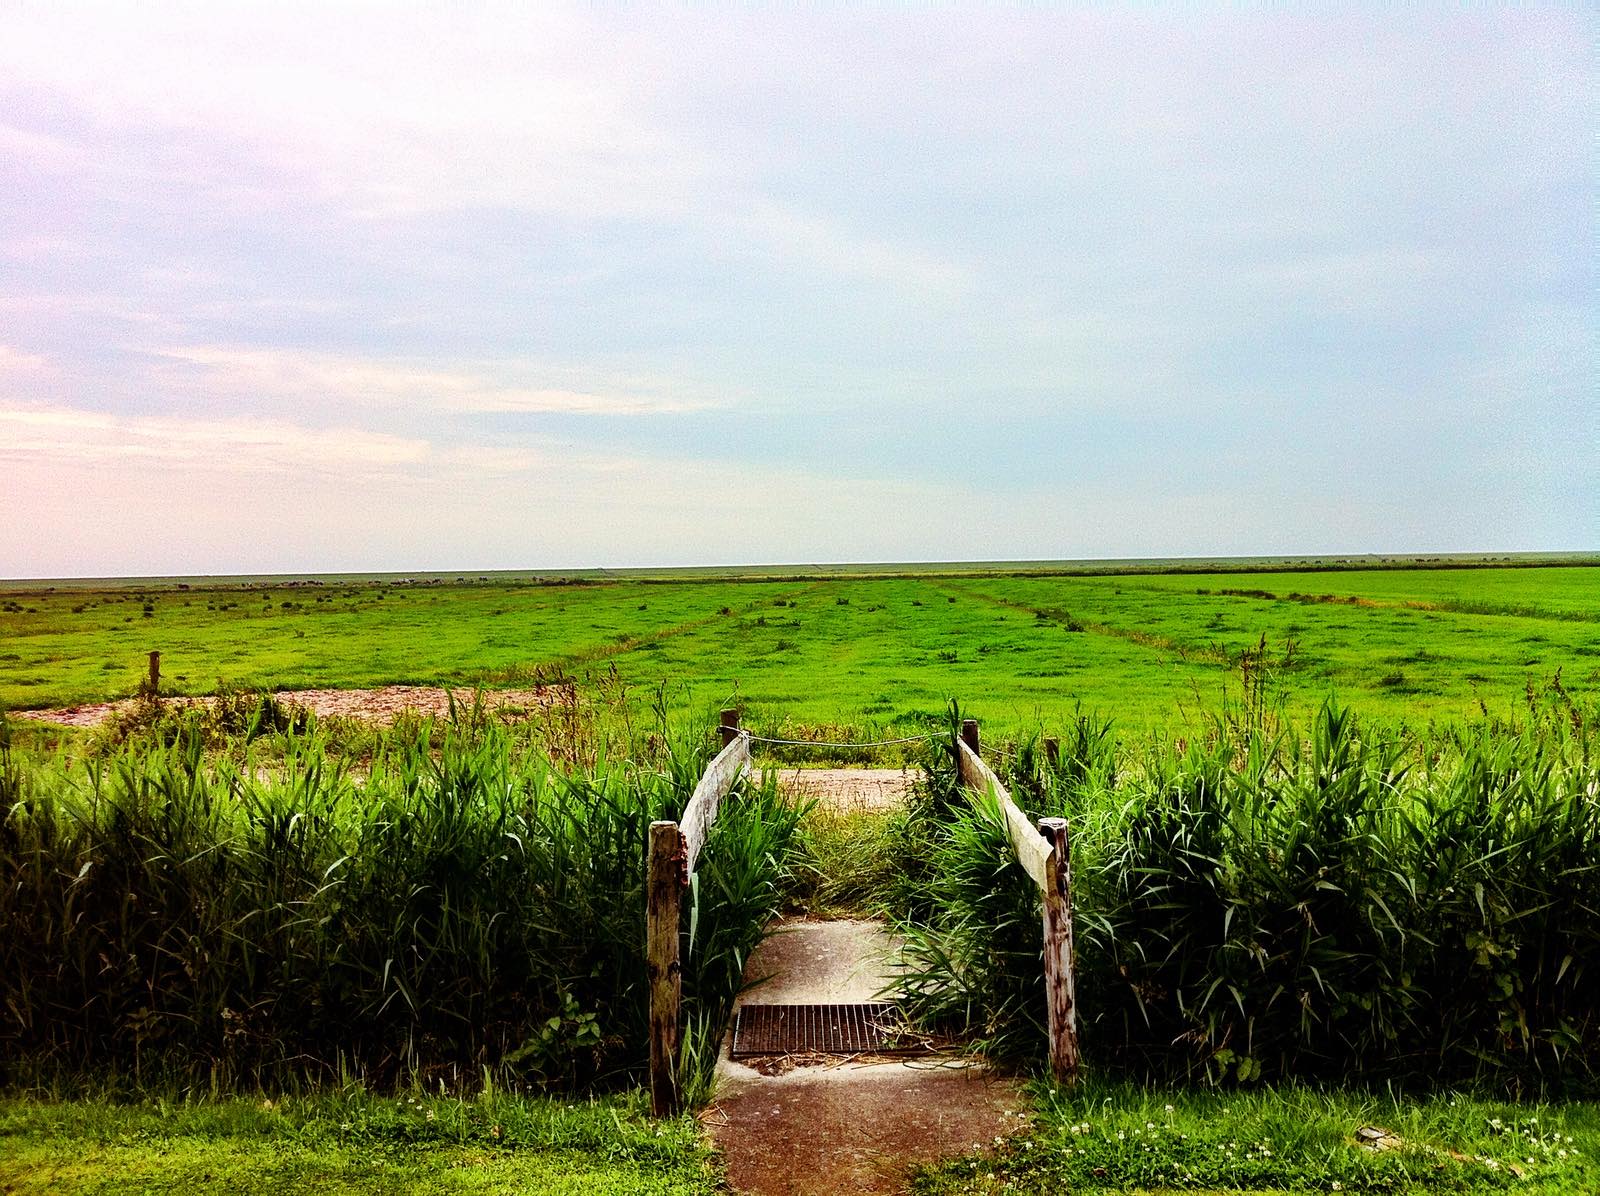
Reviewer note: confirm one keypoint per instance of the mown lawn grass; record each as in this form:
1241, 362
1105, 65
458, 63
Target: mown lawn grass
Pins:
855, 655
1108, 1137
349, 1143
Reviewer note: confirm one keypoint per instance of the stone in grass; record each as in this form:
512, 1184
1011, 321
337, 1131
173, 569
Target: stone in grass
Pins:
1373, 1137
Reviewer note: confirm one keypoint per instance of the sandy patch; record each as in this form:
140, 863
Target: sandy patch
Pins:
382, 705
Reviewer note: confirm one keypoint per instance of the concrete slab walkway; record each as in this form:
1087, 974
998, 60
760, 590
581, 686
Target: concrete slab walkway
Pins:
850, 789
845, 1125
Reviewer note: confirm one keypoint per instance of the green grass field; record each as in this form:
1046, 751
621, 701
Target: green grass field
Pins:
412, 1143
869, 650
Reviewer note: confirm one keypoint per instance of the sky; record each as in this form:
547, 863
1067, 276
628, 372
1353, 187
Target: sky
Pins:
297, 288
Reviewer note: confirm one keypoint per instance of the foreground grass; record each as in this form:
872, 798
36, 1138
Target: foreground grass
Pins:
1101, 1138
349, 1144
1118, 1138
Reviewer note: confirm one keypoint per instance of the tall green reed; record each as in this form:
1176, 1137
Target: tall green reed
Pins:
1342, 903
461, 903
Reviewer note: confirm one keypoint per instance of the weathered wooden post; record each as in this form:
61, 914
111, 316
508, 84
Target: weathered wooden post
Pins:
1059, 988
664, 882
1052, 751
154, 683
729, 726
969, 735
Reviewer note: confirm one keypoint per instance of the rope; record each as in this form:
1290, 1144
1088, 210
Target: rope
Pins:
821, 743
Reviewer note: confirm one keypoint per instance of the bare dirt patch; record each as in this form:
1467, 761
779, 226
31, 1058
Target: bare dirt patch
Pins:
857, 1128
381, 705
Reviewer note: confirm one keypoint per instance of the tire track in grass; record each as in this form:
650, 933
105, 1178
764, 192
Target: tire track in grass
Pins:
1188, 653
556, 668
1445, 606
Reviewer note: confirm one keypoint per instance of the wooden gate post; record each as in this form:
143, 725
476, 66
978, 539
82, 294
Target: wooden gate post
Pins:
1059, 988
664, 883
969, 734
729, 726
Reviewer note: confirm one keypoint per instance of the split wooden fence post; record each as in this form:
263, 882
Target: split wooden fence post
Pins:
664, 885
1060, 994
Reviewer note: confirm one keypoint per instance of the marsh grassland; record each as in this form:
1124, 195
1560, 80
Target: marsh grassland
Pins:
829, 654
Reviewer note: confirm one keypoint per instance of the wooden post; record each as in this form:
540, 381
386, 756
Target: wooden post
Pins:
1052, 751
729, 726
155, 673
969, 734
1060, 995
664, 883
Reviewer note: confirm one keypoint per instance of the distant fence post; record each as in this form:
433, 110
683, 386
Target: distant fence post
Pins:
1060, 992
664, 884
969, 735
729, 726
154, 682
1052, 750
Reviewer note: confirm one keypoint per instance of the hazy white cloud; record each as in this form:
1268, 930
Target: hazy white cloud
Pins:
339, 380
14, 363
823, 246
41, 151
438, 108
73, 439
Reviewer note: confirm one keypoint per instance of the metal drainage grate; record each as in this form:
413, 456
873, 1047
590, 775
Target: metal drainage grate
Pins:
872, 1028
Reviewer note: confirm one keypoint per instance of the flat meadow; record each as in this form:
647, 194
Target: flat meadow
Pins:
846, 654
243, 949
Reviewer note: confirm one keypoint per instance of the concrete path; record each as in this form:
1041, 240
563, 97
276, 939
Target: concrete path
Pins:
850, 789
845, 1125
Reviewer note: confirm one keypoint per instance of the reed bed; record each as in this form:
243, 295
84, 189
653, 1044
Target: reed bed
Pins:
461, 907
1343, 902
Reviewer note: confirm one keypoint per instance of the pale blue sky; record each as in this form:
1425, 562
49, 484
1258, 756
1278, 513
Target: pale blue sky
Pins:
292, 288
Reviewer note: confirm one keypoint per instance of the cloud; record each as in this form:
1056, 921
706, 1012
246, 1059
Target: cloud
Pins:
337, 379
14, 363
71, 440
820, 245
499, 105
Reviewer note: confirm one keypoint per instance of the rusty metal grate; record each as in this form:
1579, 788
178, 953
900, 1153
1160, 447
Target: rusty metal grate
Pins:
872, 1028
